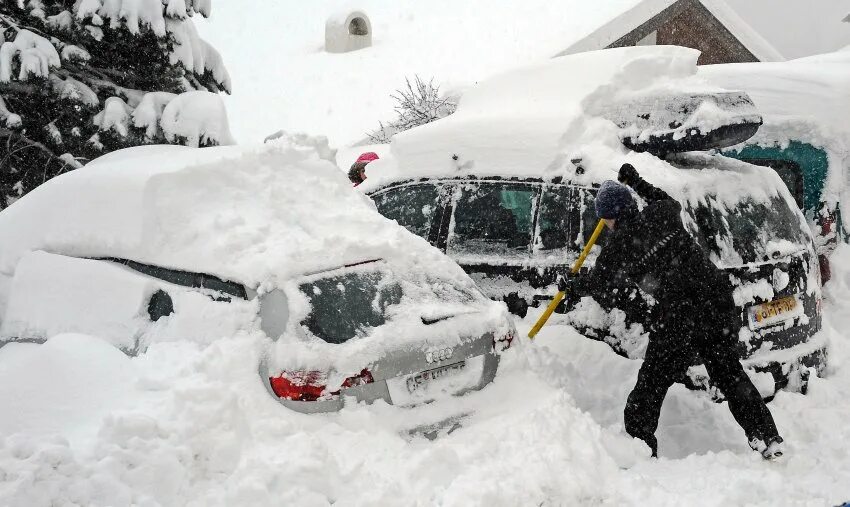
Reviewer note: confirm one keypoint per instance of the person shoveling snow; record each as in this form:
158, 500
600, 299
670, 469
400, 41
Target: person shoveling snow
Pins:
652, 248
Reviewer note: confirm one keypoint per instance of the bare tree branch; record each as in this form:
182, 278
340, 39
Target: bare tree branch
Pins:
417, 103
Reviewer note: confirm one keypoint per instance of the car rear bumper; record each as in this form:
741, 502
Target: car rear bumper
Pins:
381, 390
790, 367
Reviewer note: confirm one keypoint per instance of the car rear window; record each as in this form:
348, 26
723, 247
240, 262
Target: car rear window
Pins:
348, 302
790, 173
751, 231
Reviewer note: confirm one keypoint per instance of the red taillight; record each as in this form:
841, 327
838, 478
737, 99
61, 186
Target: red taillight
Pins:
503, 342
826, 225
312, 385
364, 377
825, 269
299, 385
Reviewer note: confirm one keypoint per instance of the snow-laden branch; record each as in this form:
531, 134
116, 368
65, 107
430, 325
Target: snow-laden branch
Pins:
197, 117
131, 14
8, 118
35, 54
418, 103
115, 116
162, 17
196, 54
62, 21
149, 112
74, 90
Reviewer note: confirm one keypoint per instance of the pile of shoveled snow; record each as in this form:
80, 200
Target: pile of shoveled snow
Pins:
193, 425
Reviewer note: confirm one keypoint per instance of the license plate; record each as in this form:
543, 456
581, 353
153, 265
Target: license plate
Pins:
429, 385
422, 379
775, 312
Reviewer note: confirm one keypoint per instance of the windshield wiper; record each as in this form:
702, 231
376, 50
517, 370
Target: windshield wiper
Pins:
429, 319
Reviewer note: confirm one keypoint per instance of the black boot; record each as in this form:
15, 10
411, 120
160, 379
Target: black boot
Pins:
770, 449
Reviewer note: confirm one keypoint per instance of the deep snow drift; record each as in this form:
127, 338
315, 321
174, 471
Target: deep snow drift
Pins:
252, 215
191, 424
277, 218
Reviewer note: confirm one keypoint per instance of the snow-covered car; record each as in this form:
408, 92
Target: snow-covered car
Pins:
805, 136
507, 190
171, 243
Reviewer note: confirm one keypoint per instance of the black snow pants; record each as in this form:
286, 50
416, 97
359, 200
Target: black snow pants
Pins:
681, 330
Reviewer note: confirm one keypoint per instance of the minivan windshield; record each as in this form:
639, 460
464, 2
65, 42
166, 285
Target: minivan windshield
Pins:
347, 302
753, 231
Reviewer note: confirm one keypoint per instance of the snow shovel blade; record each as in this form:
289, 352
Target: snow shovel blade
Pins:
560, 295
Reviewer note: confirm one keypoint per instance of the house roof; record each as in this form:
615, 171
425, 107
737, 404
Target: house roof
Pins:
644, 11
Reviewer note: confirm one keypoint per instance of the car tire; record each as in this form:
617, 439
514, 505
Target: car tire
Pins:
516, 305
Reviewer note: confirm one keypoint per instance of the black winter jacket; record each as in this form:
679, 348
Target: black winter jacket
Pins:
651, 248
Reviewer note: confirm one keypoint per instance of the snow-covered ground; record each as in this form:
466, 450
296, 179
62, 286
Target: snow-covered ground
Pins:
190, 424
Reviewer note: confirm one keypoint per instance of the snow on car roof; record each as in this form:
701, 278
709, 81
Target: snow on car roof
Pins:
805, 100
811, 90
250, 215
517, 123
533, 122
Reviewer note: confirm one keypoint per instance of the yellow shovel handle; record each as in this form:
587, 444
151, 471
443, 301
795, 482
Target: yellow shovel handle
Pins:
560, 295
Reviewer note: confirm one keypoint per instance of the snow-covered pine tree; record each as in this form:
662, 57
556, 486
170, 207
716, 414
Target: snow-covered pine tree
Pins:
80, 78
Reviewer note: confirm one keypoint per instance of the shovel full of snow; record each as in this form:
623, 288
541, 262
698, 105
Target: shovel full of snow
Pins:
560, 295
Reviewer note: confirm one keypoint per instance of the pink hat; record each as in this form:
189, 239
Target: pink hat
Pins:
367, 157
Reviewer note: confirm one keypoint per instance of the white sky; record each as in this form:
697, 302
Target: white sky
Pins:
798, 28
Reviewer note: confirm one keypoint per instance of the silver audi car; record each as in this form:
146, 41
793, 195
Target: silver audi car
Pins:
273, 243
404, 337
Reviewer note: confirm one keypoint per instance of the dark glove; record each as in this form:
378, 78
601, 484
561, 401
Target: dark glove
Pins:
628, 175
569, 284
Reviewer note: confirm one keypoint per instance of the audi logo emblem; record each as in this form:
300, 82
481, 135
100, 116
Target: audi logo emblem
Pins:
437, 355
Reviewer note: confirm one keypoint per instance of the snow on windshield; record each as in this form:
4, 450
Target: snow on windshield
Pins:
749, 232
346, 318
346, 303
